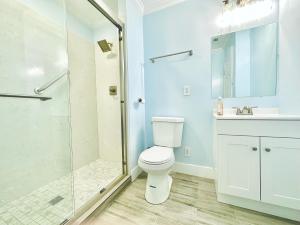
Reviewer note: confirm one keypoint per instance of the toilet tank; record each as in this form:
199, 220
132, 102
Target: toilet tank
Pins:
167, 131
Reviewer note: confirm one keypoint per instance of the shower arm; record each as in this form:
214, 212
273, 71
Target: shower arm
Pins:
39, 90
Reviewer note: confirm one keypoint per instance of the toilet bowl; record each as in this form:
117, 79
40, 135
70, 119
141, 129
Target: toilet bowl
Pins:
158, 160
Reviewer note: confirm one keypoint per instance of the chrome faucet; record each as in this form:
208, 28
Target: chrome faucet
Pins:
246, 110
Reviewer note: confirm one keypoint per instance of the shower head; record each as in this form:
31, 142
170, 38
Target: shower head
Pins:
105, 46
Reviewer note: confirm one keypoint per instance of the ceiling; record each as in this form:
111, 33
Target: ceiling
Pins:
155, 5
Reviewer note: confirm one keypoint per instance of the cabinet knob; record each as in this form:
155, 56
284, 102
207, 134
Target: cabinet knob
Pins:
254, 148
267, 149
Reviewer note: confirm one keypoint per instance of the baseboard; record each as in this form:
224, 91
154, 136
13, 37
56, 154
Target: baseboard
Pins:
194, 170
135, 172
189, 169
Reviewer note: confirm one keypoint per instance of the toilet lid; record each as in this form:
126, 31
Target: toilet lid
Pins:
157, 155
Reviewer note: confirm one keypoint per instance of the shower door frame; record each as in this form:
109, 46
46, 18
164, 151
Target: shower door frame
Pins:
123, 81
110, 190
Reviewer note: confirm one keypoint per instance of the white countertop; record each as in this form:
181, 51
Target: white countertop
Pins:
258, 117
258, 114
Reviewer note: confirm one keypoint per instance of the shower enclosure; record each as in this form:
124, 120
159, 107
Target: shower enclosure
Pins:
62, 109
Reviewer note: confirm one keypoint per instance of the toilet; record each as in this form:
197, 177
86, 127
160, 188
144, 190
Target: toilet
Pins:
158, 160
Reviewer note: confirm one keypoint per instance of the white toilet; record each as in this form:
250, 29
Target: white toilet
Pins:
159, 159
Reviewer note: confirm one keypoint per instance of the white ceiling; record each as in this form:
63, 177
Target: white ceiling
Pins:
155, 5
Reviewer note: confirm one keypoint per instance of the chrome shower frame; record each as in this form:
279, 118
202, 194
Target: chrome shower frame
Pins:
109, 192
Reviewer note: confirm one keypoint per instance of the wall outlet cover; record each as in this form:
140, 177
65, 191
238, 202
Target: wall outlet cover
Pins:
187, 151
186, 90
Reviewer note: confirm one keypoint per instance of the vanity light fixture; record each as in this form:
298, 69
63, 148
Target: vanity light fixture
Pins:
238, 12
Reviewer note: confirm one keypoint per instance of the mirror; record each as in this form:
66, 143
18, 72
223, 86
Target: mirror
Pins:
244, 63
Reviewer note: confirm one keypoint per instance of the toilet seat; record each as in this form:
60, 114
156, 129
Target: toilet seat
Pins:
157, 155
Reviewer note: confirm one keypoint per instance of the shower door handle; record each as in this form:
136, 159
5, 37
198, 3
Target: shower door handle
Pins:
39, 90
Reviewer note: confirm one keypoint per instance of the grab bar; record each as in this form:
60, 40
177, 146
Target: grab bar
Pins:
42, 98
50, 83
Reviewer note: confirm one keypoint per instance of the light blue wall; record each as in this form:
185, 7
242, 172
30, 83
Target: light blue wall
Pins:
50, 9
289, 56
190, 25
55, 11
75, 25
135, 60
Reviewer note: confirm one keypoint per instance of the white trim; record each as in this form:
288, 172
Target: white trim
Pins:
194, 170
189, 169
141, 5
159, 5
135, 172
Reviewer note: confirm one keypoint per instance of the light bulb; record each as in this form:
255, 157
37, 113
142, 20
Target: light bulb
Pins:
250, 12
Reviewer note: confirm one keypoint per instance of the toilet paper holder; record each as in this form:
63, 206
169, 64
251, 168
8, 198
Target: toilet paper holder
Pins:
141, 100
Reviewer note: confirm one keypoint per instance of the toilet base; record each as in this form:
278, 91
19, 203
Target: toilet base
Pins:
158, 188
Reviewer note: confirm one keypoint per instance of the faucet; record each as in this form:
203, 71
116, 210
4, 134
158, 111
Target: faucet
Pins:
246, 110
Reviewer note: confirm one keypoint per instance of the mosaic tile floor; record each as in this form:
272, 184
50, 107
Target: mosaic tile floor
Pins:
90, 179
36, 208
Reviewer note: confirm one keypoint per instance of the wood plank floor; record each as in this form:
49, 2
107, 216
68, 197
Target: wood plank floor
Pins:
192, 202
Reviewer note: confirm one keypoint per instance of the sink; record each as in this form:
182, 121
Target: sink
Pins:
258, 114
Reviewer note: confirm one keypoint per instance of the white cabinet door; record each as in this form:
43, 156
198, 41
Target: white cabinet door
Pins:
280, 171
239, 166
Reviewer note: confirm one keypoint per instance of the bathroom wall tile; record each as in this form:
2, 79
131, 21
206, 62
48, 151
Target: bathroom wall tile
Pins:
83, 99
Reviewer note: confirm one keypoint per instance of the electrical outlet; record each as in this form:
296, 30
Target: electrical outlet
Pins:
187, 151
186, 90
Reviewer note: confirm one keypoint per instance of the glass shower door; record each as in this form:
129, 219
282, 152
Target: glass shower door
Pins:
96, 97
35, 154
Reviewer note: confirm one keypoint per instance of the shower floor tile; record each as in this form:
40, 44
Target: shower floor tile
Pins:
36, 209
90, 179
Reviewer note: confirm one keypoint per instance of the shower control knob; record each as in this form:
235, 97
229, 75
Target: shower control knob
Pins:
254, 148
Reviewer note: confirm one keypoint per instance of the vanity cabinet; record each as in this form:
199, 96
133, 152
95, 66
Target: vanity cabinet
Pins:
258, 165
261, 169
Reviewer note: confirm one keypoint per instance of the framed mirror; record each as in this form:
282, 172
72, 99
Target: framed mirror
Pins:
244, 63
